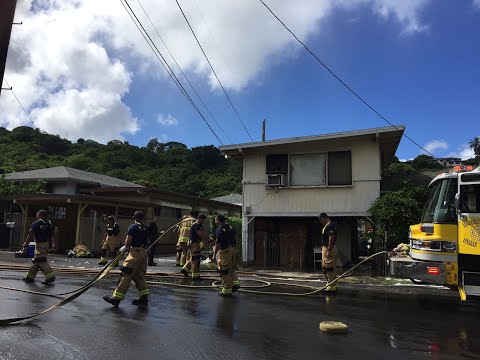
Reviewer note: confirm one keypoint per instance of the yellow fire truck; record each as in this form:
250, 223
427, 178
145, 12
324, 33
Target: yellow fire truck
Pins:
445, 246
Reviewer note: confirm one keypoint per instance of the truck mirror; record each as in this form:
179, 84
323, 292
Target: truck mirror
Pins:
457, 202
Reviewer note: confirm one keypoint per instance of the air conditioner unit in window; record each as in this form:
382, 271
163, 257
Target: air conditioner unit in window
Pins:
274, 180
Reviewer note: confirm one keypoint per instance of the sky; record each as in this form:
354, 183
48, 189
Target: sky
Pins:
81, 69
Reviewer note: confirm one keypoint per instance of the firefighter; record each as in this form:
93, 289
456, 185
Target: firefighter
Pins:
41, 231
135, 265
225, 250
197, 235
111, 241
184, 237
329, 250
152, 237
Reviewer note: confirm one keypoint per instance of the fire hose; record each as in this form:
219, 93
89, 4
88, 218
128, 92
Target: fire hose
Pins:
215, 284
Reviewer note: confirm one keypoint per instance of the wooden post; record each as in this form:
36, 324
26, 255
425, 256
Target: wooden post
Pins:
24, 222
79, 218
263, 129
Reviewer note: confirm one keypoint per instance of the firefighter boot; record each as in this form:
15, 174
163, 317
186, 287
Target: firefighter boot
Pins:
141, 301
103, 259
28, 280
111, 300
48, 280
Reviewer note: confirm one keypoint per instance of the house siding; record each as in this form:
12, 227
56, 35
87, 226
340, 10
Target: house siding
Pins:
353, 200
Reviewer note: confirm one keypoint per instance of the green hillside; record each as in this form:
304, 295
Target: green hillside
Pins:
201, 171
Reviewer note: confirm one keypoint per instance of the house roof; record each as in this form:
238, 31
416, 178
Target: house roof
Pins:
236, 199
388, 137
167, 194
63, 173
74, 199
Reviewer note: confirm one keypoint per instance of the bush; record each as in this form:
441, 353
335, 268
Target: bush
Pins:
395, 212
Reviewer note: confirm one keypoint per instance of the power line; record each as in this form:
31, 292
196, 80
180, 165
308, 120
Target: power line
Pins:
343, 82
183, 73
211, 67
164, 63
19, 103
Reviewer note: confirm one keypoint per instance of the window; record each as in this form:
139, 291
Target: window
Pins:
340, 168
470, 177
440, 207
50, 188
470, 198
59, 213
277, 164
307, 170
311, 169
168, 212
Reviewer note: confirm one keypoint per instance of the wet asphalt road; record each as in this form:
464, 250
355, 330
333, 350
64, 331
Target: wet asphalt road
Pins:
198, 324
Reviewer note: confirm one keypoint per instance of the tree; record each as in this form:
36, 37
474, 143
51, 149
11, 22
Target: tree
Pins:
155, 146
425, 162
400, 169
8, 187
396, 211
474, 144
201, 171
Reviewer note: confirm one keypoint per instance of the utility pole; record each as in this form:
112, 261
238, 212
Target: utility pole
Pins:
263, 129
7, 12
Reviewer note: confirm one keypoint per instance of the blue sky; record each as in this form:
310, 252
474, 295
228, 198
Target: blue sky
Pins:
428, 81
426, 78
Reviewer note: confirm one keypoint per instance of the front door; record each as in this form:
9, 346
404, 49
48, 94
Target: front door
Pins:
469, 236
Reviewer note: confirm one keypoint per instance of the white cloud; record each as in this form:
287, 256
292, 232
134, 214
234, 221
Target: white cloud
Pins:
435, 145
168, 120
464, 152
72, 62
476, 3
405, 11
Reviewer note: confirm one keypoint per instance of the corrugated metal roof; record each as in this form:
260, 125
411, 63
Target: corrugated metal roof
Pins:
236, 199
63, 173
389, 129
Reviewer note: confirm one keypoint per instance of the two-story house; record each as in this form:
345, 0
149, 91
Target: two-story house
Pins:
288, 182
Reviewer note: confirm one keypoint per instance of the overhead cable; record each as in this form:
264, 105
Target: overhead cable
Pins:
183, 73
165, 64
342, 81
19, 103
213, 70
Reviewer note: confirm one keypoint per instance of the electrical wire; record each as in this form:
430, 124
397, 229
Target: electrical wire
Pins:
211, 67
342, 81
19, 103
183, 73
165, 64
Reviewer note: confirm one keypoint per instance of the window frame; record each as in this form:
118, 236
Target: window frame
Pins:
351, 169
327, 185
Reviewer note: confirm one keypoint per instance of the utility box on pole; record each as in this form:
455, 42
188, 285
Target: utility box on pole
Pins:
7, 12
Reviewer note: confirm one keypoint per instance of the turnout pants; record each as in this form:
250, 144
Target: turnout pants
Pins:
328, 263
226, 268
40, 262
193, 264
151, 254
134, 268
182, 253
109, 248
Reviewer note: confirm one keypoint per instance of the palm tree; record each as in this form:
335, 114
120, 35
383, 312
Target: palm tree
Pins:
474, 144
